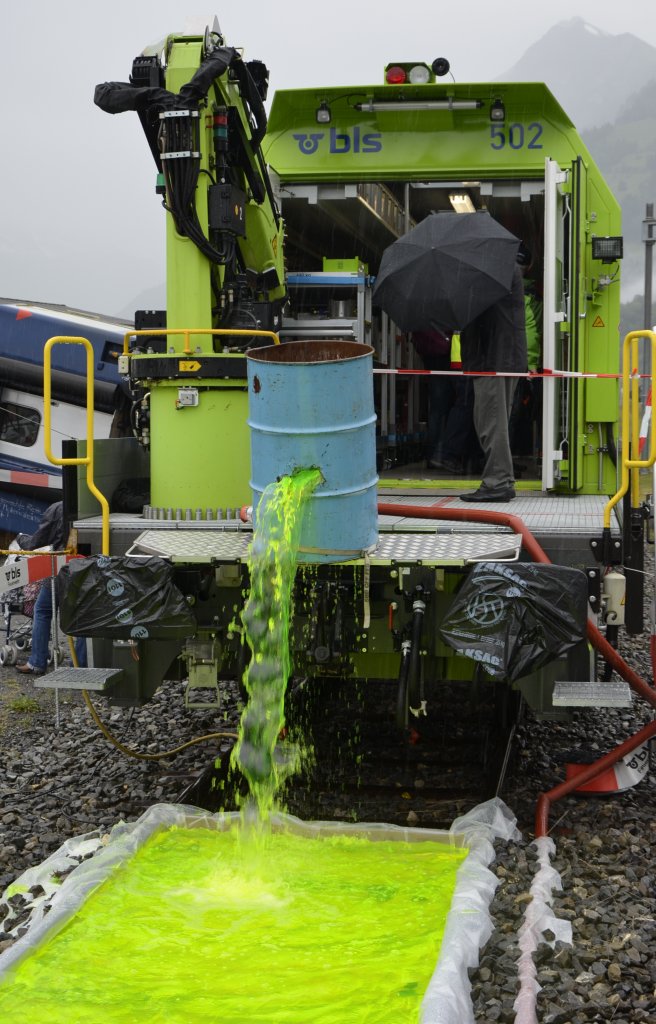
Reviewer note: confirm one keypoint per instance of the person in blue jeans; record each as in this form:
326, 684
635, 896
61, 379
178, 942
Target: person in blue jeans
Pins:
51, 532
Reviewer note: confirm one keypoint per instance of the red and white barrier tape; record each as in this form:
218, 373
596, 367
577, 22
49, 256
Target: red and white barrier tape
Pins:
644, 426
543, 374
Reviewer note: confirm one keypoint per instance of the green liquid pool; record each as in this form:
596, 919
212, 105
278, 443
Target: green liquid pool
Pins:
205, 926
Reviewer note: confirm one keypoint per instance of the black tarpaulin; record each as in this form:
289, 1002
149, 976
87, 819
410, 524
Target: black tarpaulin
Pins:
124, 598
512, 618
117, 97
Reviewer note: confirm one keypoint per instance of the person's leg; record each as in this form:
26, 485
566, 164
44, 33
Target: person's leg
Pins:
41, 628
460, 446
492, 405
520, 427
440, 396
81, 651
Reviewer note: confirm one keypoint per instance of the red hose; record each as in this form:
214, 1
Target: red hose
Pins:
591, 771
596, 638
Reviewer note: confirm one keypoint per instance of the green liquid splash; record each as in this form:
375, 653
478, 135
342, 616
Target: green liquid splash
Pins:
266, 618
200, 927
250, 925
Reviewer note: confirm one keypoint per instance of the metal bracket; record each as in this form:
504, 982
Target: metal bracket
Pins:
607, 550
593, 575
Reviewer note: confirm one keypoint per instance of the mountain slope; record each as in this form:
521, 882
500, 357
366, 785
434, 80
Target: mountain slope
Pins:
624, 151
592, 73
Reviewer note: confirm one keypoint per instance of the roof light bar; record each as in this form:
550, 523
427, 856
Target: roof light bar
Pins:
373, 106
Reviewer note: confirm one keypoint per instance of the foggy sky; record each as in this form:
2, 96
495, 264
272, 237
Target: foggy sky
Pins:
81, 224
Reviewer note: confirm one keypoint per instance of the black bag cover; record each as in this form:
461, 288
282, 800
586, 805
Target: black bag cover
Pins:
124, 598
117, 97
513, 618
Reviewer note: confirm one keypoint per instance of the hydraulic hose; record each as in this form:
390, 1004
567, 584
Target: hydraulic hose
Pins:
414, 696
402, 690
136, 753
596, 638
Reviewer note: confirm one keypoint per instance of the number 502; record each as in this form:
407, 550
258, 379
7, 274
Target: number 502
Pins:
516, 136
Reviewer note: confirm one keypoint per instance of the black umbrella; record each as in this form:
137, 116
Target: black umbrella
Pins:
445, 271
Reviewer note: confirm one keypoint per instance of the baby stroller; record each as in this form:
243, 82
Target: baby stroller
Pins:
17, 614
17, 610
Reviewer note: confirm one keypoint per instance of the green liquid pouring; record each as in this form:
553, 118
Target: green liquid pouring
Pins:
266, 618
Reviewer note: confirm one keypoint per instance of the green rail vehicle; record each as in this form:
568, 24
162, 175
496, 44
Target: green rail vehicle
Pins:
275, 232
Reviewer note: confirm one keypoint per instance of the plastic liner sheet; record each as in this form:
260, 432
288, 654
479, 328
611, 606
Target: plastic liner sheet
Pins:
468, 925
539, 920
513, 619
125, 598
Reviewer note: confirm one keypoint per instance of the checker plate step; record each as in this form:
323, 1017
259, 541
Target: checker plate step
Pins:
98, 679
616, 694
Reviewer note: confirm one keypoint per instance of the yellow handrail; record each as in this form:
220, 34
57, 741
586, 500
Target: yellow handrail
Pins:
86, 460
630, 436
186, 331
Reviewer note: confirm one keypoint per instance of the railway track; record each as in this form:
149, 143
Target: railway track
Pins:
357, 765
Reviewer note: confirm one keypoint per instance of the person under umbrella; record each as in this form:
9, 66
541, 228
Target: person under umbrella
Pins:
458, 272
446, 271
495, 342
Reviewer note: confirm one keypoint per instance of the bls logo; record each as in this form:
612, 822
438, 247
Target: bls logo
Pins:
341, 142
309, 144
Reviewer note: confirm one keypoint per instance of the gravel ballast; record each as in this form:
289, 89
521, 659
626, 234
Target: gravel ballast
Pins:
61, 782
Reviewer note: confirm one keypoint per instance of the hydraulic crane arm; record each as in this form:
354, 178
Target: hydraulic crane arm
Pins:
205, 138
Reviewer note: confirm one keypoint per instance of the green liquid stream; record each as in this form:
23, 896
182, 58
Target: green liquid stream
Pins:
266, 618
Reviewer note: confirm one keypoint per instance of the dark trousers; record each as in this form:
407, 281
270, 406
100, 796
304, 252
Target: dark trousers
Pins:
440, 400
493, 398
460, 443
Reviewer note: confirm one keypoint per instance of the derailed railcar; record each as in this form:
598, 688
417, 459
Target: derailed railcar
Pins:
350, 169
28, 483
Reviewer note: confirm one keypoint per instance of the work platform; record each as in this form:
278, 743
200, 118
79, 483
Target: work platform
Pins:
562, 525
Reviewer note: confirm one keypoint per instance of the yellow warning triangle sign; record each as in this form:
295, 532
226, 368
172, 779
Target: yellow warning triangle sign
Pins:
598, 322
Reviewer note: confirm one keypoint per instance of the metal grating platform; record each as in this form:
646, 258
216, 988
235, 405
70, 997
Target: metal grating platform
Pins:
430, 549
193, 546
542, 514
545, 514
568, 522
615, 694
97, 679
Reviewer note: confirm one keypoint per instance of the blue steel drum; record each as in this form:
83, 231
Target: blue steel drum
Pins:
311, 405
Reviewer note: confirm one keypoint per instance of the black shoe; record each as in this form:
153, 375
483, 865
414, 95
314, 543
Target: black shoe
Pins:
490, 494
446, 466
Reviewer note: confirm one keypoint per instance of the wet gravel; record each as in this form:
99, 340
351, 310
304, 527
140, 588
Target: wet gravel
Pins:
57, 781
